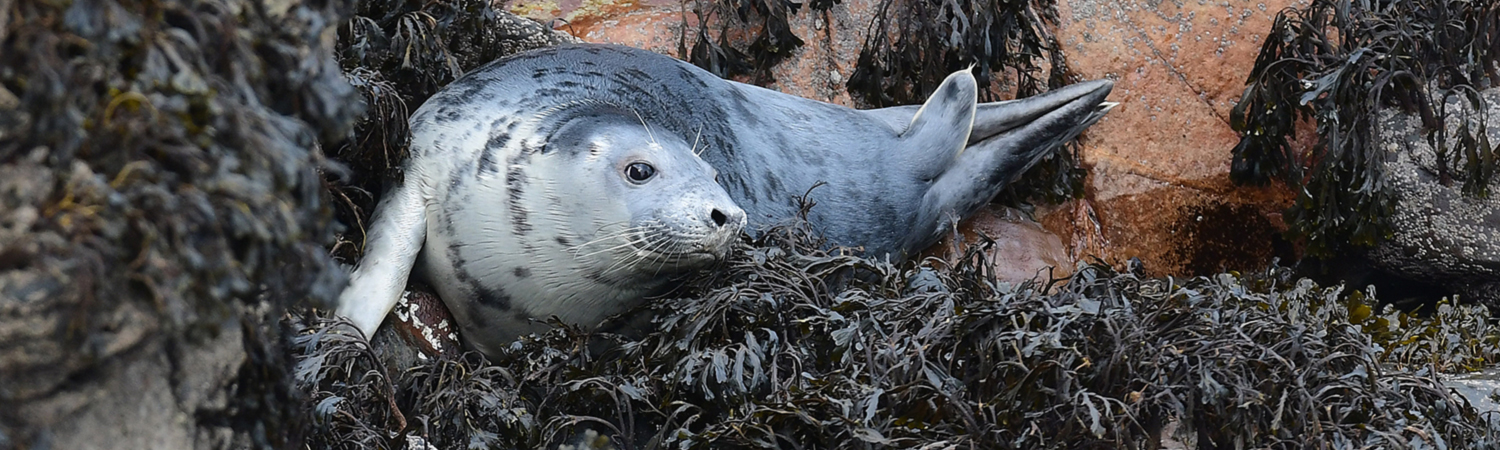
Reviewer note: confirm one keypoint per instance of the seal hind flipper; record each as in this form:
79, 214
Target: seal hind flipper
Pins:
396, 234
991, 119
939, 129
1011, 137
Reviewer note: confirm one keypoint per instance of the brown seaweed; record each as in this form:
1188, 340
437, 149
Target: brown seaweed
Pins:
792, 346
1336, 63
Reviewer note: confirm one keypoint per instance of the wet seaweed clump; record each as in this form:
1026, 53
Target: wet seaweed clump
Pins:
1335, 63
765, 24
790, 346
913, 45
160, 205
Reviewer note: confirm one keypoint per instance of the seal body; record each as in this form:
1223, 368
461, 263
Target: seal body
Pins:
517, 194
892, 180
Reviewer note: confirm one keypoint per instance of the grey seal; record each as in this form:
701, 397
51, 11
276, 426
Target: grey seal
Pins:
520, 211
892, 180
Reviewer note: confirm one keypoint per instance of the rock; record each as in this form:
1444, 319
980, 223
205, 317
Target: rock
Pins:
1438, 234
1158, 187
159, 208
1159, 163
1481, 389
1021, 249
419, 328
832, 38
653, 28
146, 400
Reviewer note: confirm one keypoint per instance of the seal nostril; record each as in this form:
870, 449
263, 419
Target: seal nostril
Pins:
719, 217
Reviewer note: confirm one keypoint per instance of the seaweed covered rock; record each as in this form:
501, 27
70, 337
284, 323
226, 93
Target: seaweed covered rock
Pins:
794, 347
1337, 64
1439, 234
160, 206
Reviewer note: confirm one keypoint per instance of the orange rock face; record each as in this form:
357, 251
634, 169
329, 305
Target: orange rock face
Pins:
1158, 188
1159, 163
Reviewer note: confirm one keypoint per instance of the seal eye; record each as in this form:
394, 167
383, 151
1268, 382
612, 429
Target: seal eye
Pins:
639, 172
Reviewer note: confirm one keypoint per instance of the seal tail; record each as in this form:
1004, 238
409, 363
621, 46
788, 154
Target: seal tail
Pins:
396, 234
1007, 138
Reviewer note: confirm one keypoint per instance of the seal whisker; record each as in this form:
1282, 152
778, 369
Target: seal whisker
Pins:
696, 136
662, 262
630, 261
661, 247
643, 125
645, 244
606, 237
628, 242
623, 263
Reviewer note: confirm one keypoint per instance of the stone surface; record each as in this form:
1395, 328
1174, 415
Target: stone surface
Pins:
1481, 389
420, 328
817, 70
1021, 248
159, 206
1439, 235
1159, 162
148, 400
126, 386
1158, 188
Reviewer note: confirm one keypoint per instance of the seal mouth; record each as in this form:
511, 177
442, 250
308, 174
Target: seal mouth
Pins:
684, 248
664, 244
658, 247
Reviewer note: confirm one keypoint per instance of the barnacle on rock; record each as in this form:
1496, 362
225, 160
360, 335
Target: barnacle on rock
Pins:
1335, 63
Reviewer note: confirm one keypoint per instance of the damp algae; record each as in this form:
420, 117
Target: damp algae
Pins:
792, 345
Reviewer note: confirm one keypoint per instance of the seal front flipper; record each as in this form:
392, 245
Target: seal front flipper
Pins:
940, 128
395, 237
1007, 139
